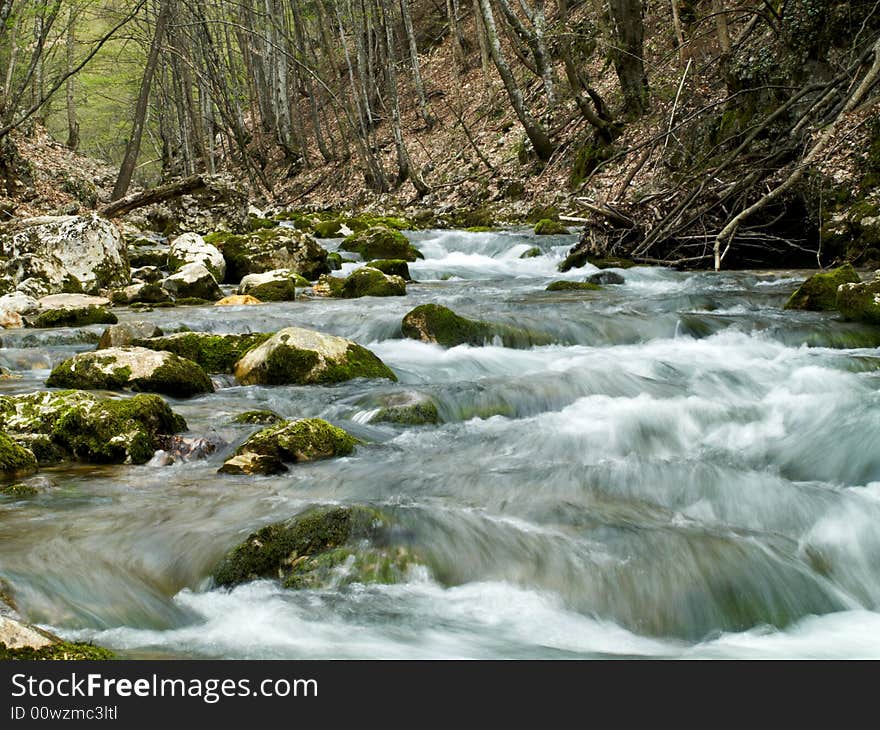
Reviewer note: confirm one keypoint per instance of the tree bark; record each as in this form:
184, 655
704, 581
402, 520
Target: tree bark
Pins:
629, 31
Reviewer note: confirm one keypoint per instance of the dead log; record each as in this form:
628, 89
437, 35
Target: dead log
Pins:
187, 186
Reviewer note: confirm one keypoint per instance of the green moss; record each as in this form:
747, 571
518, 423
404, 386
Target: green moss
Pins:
257, 417
179, 378
15, 459
19, 490
78, 317
368, 282
286, 365
214, 353
480, 229
392, 267
305, 439
380, 242
361, 223
587, 159
438, 324
579, 258
532, 253
256, 223
481, 218
860, 302
346, 565
334, 261
191, 302
573, 286
410, 414
281, 290
73, 373
328, 228
540, 212
358, 362
61, 650
819, 292
546, 227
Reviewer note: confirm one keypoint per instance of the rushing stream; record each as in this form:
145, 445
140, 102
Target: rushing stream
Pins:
688, 472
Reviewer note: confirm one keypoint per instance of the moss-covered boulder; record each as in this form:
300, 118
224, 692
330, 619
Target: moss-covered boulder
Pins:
141, 292
152, 255
439, 325
547, 227
381, 242
22, 641
404, 409
321, 547
147, 274
306, 439
299, 356
74, 317
213, 352
577, 258
328, 229
532, 253
860, 302
392, 267
191, 248
137, 368
602, 278
363, 282
193, 281
819, 292
268, 250
77, 425
19, 490
272, 286
573, 286
126, 333
15, 460
261, 417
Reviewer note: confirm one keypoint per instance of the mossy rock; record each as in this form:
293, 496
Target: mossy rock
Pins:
15, 460
214, 353
436, 324
578, 258
540, 212
328, 229
79, 425
307, 439
334, 261
60, 650
532, 253
321, 547
392, 267
860, 302
547, 227
270, 249
192, 302
127, 333
406, 409
361, 223
363, 282
606, 277
19, 490
263, 417
381, 242
480, 229
75, 317
299, 356
272, 286
819, 292
137, 368
573, 286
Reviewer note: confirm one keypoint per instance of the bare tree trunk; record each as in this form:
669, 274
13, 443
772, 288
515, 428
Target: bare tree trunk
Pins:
485, 56
629, 30
414, 61
721, 25
72, 123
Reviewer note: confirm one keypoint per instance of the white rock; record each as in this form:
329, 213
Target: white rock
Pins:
190, 248
193, 280
18, 635
18, 302
71, 301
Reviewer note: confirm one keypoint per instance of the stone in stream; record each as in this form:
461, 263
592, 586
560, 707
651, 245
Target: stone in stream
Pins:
381, 242
320, 547
74, 424
819, 292
20, 640
573, 286
237, 300
191, 248
152, 256
141, 292
262, 417
137, 368
606, 277
307, 439
269, 249
533, 253
147, 274
278, 285
71, 310
860, 302
13, 306
547, 227
193, 281
363, 282
15, 460
436, 324
50, 255
124, 334
409, 408
299, 356
216, 353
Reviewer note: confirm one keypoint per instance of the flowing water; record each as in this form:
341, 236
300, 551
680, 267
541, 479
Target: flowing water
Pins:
688, 471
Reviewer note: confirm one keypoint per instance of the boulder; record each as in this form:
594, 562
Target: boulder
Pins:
191, 248
320, 547
269, 249
122, 335
299, 356
237, 300
860, 302
532, 253
22, 641
147, 275
131, 367
306, 439
404, 409
64, 254
141, 293
381, 242
573, 286
547, 227
216, 353
15, 460
392, 267
606, 277
77, 425
819, 292
363, 282
13, 306
278, 285
152, 255
71, 310
436, 324
193, 281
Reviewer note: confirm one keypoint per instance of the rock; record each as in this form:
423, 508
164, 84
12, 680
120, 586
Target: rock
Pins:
328, 229
188, 448
18, 303
15, 460
269, 249
19, 640
155, 256
392, 267
141, 293
131, 367
19, 491
573, 286
819, 292
147, 275
193, 281
216, 202
299, 356
320, 547
439, 325
237, 300
191, 248
250, 463
381, 242
606, 277
334, 261
72, 310
860, 302
406, 409
257, 417
547, 227
363, 282
577, 258
79, 425
278, 285
215, 353
532, 253
122, 335
10, 320
64, 254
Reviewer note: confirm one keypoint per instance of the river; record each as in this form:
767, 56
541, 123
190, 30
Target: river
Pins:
688, 472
